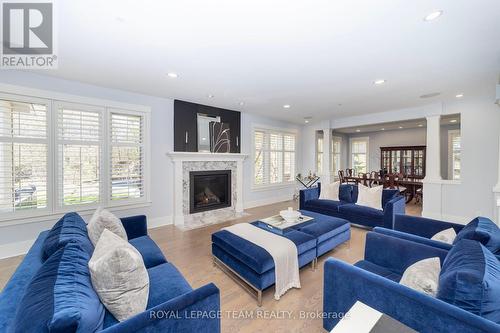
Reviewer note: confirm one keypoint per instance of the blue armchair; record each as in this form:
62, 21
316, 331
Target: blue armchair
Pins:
419, 229
374, 281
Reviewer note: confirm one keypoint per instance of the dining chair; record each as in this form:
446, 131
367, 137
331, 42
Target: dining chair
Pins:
374, 179
341, 176
350, 173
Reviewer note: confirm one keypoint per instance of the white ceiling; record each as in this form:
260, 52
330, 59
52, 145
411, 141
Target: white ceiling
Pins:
313, 55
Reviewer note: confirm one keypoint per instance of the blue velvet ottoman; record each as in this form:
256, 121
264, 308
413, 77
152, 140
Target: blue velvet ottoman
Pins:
329, 231
253, 264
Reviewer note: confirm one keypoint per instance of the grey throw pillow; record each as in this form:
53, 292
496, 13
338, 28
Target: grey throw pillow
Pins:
119, 276
423, 276
446, 236
103, 219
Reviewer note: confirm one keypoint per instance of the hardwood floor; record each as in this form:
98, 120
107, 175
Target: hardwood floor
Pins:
190, 252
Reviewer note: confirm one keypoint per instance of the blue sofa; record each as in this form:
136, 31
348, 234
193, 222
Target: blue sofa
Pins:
374, 281
420, 229
169, 292
346, 208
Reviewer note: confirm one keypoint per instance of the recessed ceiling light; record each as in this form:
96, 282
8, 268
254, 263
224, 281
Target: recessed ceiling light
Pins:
459, 95
358, 130
420, 125
400, 127
172, 75
382, 129
307, 119
242, 103
453, 121
286, 106
379, 82
434, 15
210, 96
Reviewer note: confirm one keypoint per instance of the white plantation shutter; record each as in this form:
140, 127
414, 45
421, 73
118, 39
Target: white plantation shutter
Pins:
23, 156
79, 141
335, 156
259, 142
127, 156
359, 155
455, 143
289, 157
274, 154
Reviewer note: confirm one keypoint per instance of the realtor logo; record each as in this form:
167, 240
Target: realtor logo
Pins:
28, 35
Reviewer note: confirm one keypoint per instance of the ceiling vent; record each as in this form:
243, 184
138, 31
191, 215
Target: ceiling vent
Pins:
430, 95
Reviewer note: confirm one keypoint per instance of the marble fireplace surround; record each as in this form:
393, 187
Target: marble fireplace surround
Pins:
184, 162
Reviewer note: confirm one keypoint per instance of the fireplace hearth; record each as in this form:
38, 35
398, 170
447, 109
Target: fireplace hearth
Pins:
209, 190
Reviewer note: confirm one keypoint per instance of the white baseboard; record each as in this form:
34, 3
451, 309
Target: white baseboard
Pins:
160, 221
267, 201
15, 249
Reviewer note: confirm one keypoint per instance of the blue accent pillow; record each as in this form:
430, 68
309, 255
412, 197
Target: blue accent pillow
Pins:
483, 230
60, 297
70, 227
470, 279
345, 193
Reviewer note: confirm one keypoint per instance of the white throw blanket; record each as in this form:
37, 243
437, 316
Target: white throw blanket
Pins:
283, 251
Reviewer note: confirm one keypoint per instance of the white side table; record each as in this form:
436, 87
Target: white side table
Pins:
363, 319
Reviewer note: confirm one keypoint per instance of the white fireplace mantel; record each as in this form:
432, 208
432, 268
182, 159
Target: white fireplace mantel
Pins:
178, 158
190, 156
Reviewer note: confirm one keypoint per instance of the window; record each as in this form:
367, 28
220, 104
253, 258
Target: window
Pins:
274, 157
359, 155
454, 151
319, 152
59, 156
335, 155
78, 154
23, 156
127, 167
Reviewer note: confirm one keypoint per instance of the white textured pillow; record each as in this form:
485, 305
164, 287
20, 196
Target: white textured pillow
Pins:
103, 219
446, 236
330, 191
423, 276
370, 196
119, 276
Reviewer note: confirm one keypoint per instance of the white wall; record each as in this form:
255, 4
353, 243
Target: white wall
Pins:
480, 128
16, 239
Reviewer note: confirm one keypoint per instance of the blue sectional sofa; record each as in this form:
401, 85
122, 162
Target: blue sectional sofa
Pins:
374, 281
346, 208
78, 306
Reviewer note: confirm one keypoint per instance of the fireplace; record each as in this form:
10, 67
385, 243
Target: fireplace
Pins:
209, 190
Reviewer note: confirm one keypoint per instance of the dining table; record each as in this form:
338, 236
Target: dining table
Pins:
411, 185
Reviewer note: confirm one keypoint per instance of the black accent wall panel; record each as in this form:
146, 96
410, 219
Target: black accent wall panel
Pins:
185, 125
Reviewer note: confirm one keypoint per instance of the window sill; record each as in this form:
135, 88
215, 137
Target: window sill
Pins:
47, 216
260, 188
